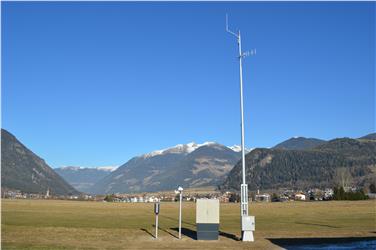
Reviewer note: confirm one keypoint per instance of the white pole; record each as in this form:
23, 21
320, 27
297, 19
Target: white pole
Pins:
180, 215
241, 103
156, 226
244, 192
247, 234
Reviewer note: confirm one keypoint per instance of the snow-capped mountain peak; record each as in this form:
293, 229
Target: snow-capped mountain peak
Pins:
178, 149
235, 148
101, 168
238, 148
189, 148
73, 168
107, 168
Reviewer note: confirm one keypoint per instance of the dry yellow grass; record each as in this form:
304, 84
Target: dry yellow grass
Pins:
47, 224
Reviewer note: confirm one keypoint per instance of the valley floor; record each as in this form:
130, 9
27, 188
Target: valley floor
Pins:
49, 224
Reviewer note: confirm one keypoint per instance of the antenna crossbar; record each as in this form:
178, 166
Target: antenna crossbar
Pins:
228, 30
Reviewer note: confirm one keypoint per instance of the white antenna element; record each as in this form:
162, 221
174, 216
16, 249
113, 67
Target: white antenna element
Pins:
251, 52
229, 31
248, 222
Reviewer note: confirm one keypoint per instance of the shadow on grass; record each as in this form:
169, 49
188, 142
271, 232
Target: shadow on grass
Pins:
187, 232
315, 224
176, 220
159, 228
173, 235
193, 234
147, 231
229, 236
293, 243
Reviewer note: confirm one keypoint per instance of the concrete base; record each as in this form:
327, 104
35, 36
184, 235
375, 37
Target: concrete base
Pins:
247, 236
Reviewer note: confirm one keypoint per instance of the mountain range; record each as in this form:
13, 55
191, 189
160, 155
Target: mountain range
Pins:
84, 178
308, 167
23, 170
189, 165
295, 163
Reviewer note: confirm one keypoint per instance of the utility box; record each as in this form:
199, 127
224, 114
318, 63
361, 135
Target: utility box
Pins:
248, 223
207, 219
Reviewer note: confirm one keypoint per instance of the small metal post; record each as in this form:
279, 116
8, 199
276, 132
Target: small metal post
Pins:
156, 211
180, 192
156, 226
180, 214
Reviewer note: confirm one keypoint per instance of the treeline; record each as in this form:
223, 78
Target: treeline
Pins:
301, 169
341, 194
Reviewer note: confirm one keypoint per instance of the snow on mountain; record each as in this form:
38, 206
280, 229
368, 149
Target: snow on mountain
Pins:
189, 165
238, 148
101, 168
108, 168
188, 148
71, 168
235, 148
178, 149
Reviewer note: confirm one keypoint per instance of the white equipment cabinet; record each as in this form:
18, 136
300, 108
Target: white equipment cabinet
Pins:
207, 219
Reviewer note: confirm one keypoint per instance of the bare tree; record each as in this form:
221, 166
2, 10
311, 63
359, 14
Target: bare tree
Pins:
343, 177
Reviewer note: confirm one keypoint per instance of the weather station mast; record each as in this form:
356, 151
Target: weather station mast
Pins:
247, 222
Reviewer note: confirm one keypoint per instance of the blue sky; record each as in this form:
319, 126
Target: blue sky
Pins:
92, 84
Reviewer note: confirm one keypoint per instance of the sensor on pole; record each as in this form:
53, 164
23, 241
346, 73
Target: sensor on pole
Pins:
180, 192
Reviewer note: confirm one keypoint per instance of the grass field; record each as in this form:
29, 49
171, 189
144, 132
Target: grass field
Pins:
48, 224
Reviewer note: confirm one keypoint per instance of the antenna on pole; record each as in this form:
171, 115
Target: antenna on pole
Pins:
229, 31
226, 22
248, 222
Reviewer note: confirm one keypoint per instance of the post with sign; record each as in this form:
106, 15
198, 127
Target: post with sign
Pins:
156, 211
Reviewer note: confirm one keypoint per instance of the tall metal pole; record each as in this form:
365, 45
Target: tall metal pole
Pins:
241, 103
244, 193
247, 221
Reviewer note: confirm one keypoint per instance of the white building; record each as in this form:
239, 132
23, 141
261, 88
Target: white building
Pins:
300, 197
262, 197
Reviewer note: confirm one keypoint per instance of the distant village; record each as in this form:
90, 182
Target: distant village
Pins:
313, 194
225, 197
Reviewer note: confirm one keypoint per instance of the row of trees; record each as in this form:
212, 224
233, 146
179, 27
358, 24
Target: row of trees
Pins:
343, 178
341, 194
109, 198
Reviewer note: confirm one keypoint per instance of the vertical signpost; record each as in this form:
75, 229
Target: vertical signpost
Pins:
248, 222
156, 211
